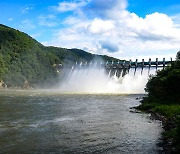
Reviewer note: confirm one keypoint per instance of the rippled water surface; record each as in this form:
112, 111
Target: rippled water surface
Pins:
50, 122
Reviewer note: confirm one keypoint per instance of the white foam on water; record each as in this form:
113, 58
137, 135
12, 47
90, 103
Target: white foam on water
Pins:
62, 119
46, 122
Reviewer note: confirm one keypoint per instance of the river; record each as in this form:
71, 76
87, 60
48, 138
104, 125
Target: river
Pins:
53, 122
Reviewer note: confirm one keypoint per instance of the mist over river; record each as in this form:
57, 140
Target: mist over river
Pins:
53, 122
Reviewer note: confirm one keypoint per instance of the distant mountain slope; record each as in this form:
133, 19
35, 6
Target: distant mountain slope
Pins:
25, 62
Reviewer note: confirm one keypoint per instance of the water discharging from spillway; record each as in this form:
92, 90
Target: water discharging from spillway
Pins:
99, 80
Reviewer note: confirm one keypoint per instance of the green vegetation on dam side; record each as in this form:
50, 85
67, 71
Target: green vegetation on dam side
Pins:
25, 62
163, 101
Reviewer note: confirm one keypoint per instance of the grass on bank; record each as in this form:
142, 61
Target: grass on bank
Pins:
171, 114
167, 110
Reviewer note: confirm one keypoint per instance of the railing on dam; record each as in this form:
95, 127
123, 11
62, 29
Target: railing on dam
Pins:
124, 64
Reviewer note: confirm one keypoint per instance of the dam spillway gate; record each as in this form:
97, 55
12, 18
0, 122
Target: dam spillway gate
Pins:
117, 68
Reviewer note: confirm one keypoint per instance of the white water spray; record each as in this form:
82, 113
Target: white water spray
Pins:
97, 80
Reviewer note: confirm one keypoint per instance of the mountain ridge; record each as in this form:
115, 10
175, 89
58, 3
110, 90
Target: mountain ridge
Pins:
24, 62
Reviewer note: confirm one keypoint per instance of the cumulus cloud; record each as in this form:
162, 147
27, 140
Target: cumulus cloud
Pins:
156, 26
107, 27
100, 26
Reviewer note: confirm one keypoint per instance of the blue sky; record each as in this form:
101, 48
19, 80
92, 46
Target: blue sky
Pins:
119, 28
144, 7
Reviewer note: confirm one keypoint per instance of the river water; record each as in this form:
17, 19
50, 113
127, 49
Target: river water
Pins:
52, 122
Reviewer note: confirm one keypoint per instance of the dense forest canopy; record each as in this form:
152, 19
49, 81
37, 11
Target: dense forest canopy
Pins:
25, 62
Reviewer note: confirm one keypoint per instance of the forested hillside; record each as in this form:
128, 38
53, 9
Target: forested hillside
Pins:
25, 62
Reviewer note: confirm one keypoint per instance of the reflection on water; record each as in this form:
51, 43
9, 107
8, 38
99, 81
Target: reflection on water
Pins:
43, 122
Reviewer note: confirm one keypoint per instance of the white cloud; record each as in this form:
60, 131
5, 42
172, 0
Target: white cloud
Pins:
47, 20
176, 20
27, 8
100, 26
112, 28
27, 25
70, 6
153, 27
10, 19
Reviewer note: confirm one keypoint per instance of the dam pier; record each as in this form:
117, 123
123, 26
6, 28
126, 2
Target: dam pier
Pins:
118, 68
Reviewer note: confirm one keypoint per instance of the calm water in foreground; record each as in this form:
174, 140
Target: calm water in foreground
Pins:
50, 122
